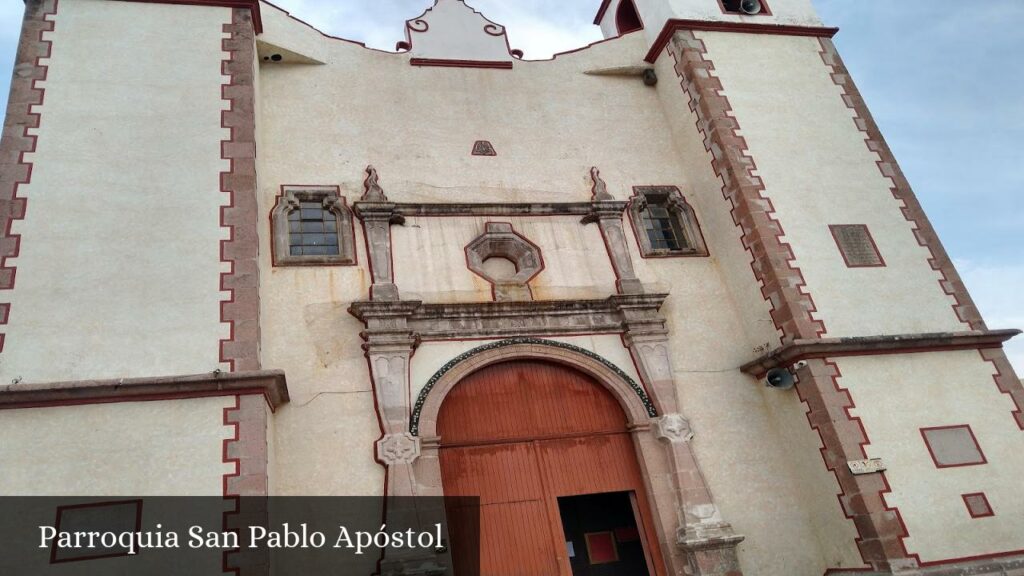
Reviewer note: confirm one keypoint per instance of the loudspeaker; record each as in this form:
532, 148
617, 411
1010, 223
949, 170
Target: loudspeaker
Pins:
751, 7
780, 378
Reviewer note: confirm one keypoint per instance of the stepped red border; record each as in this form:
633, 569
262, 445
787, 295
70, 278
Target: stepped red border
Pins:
241, 310
17, 142
948, 278
880, 528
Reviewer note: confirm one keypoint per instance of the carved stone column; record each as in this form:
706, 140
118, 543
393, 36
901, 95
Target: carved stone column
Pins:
707, 540
378, 214
608, 215
389, 344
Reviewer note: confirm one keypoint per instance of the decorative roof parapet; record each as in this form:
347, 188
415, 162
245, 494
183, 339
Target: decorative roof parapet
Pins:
453, 32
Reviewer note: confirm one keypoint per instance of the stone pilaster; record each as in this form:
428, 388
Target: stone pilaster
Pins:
707, 540
378, 214
607, 213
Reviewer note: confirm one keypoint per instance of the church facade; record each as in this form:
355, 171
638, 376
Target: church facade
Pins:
666, 303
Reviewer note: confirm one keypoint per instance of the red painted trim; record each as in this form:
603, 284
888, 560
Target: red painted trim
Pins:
601, 11
674, 25
619, 15
253, 6
241, 309
974, 438
230, 495
1007, 382
16, 206
270, 220
992, 556
765, 10
991, 511
445, 63
833, 228
493, 152
56, 526
833, 466
949, 280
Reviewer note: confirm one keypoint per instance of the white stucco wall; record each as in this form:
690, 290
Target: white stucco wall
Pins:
818, 171
896, 396
125, 181
417, 127
160, 448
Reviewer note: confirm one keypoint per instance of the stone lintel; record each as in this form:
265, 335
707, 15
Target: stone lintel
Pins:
501, 208
271, 383
506, 319
804, 349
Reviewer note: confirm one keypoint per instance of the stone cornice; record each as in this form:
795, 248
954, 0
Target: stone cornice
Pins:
502, 208
504, 319
803, 349
270, 383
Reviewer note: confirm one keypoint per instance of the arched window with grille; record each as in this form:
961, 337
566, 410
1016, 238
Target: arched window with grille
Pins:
665, 223
313, 227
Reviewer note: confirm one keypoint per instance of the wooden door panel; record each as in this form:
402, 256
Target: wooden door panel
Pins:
499, 473
515, 540
522, 433
525, 400
590, 465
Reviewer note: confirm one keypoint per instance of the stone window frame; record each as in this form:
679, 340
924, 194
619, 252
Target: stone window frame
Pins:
679, 208
333, 202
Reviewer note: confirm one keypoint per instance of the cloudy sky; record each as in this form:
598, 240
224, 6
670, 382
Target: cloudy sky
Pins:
941, 76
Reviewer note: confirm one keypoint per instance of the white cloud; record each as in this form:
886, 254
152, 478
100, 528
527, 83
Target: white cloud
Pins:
539, 28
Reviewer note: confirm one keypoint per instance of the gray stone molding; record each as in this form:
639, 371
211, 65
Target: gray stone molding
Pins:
499, 240
689, 523
510, 319
332, 202
679, 208
414, 425
456, 209
608, 215
378, 214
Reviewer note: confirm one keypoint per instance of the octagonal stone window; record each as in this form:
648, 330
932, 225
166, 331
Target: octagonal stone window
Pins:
506, 260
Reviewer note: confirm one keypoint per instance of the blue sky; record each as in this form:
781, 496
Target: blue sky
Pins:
942, 77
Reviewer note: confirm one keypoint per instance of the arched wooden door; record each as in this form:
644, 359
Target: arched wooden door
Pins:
525, 436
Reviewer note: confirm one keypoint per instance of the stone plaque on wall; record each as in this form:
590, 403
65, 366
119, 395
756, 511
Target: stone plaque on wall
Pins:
856, 245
